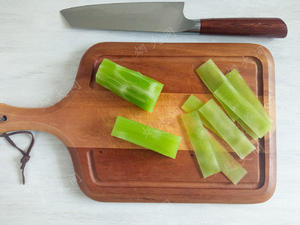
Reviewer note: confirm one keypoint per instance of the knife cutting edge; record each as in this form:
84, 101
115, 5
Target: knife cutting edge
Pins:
167, 17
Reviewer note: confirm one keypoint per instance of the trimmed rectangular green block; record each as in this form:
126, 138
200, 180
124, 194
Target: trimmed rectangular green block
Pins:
129, 84
148, 137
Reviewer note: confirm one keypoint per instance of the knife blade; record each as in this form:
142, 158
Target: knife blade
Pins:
166, 17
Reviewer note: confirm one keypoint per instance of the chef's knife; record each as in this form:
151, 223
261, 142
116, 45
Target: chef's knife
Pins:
166, 17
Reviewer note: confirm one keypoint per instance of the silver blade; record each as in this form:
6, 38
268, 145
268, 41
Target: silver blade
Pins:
145, 16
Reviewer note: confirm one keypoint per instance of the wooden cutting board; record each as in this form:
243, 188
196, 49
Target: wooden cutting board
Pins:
110, 169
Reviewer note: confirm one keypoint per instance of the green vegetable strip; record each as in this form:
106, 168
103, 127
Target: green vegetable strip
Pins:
256, 121
146, 136
201, 144
193, 103
238, 82
212, 77
128, 84
230, 113
247, 129
226, 128
229, 166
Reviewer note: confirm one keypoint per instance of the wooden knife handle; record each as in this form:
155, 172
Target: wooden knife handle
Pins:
268, 27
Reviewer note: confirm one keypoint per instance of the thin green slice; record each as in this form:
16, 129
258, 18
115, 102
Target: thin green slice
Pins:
192, 104
213, 77
226, 128
228, 165
238, 82
231, 168
146, 136
230, 113
256, 121
247, 129
201, 144
129, 84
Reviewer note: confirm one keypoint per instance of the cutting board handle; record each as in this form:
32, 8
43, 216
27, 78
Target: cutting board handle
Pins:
16, 118
267, 27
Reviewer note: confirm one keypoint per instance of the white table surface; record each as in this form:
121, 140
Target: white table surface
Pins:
39, 57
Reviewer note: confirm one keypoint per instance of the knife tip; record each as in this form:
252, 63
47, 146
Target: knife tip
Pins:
62, 11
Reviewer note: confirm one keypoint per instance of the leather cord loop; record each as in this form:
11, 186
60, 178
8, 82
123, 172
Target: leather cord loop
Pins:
26, 154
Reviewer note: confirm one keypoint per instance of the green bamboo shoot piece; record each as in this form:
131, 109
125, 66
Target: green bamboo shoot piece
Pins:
201, 144
146, 136
230, 113
226, 128
231, 168
247, 129
256, 121
129, 84
213, 77
193, 103
238, 82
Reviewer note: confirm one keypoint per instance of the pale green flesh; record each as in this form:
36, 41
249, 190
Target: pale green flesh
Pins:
213, 77
226, 128
231, 168
228, 110
208, 125
201, 144
256, 121
146, 136
247, 129
129, 84
193, 103
238, 82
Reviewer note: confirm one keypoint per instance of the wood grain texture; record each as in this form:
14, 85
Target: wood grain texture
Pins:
268, 27
109, 169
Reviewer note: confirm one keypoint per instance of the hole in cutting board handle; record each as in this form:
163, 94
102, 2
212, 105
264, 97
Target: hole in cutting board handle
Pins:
3, 118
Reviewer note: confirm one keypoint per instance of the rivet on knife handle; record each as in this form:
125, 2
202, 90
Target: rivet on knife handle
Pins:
267, 27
